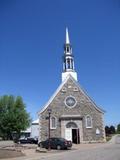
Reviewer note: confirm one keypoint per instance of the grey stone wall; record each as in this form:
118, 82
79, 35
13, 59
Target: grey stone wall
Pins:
83, 107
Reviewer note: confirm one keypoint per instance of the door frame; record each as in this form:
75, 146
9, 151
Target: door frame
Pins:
78, 122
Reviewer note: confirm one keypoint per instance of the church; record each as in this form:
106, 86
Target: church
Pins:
74, 115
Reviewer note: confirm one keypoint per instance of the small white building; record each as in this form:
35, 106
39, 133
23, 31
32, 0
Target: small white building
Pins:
32, 131
35, 129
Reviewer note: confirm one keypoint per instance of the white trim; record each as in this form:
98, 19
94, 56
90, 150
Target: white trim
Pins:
51, 122
97, 131
71, 115
64, 90
72, 122
69, 72
51, 99
86, 95
75, 89
60, 87
86, 124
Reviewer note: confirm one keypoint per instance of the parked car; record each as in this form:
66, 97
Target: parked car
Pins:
22, 140
28, 140
33, 140
56, 143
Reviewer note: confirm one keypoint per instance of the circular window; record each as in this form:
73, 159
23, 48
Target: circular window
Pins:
70, 101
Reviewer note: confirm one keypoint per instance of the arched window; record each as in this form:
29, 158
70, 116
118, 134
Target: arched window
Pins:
68, 49
53, 123
88, 121
68, 63
71, 125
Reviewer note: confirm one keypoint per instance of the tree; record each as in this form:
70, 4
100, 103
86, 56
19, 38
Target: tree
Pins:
13, 116
118, 128
107, 130
112, 130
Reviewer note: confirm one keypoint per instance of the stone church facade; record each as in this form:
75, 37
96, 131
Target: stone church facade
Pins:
74, 116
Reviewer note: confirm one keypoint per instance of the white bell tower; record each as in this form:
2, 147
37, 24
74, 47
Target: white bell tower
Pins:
68, 60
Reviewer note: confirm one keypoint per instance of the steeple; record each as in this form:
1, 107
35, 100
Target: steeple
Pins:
68, 59
67, 36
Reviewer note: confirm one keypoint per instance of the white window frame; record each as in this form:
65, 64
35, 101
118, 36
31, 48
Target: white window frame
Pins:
98, 131
64, 89
86, 121
51, 122
76, 89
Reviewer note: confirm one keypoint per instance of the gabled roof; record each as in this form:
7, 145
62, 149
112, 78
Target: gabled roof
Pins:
35, 121
60, 87
55, 93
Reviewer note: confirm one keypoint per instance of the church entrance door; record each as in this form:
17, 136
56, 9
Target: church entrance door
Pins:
75, 136
72, 132
68, 134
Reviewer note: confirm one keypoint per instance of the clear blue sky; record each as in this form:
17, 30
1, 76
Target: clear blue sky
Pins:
32, 34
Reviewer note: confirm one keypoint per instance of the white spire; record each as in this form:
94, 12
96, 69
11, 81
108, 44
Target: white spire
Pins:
68, 60
67, 36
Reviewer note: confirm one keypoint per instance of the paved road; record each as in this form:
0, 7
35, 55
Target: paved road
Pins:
108, 151
102, 152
